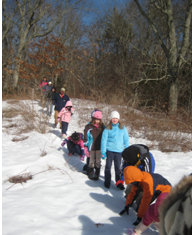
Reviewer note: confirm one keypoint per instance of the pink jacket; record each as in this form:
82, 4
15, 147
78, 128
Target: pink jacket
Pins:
152, 213
42, 84
65, 114
80, 143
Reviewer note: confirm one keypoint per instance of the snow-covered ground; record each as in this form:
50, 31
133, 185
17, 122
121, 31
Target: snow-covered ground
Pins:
59, 199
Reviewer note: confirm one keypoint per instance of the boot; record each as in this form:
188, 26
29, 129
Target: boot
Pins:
97, 173
90, 173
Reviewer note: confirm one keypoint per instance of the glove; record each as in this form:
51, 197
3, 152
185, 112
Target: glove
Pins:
63, 143
137, 221
103, 156
126, 209
58, 119
82, 157
86, 151
131, 231
120, 182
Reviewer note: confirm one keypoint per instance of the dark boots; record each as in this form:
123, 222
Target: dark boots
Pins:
90, 172
97, 173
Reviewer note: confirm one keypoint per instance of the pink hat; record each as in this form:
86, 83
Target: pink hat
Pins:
96, 114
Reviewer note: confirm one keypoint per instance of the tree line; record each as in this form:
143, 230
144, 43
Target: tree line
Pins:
136, 53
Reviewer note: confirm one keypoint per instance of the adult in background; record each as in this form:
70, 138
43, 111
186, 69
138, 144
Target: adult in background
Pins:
49, 99
42, 87
60, 100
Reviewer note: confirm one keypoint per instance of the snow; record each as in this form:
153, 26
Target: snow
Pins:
59, 199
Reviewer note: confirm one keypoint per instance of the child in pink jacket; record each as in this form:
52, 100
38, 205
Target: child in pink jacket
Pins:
75, 145
151, 217
65, 115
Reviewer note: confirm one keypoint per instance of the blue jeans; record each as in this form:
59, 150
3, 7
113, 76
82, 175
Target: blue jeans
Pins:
49, 106
116, 157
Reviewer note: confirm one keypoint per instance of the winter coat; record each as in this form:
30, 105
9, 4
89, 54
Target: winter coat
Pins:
80, 143
176, 210
42, 84
144, 165
51, 95
92, 137
65, 114
151, 185
152, 213
47, 89
114, 140
60, 101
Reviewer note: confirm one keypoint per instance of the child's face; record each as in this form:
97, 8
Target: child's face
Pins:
97, 121
114, 120
68, 107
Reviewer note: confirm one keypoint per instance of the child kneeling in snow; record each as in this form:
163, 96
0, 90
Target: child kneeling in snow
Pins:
75, 145
151, 217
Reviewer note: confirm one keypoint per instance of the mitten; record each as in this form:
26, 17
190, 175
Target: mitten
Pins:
137, 221
126, 209
120, 182
103, 156
131, 231
70, 154
82, 157
58, 119
63, 143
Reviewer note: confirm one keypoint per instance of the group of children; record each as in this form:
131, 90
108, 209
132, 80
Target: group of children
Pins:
111, 143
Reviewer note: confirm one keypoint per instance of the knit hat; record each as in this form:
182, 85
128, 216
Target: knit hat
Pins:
62, 89
114, 114
131, 155
75, 136
96, 114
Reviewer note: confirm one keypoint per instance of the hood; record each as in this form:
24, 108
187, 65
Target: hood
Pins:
69, 103
132, 174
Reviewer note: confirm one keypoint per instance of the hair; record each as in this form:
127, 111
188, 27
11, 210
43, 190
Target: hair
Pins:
109, 126
100, 123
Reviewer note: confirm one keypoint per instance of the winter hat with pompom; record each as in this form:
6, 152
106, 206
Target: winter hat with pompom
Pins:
96, 114
114, 114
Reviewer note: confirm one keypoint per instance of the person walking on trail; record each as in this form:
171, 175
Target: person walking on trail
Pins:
64, 116
114, 139
92, 141
42, 88
49, 103
59, 100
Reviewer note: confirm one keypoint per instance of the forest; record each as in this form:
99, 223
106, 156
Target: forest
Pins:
132, 52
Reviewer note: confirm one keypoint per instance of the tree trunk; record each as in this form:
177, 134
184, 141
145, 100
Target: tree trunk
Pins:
15, 76
173, 98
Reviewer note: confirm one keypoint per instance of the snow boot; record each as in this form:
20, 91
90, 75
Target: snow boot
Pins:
91, 173
97, 173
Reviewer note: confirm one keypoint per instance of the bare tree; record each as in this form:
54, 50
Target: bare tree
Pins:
32, 19
173, 46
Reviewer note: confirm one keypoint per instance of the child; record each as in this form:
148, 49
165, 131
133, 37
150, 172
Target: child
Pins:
152, 186
114, 139
65, 115
151, 217
75, 145
92, 140
137, 155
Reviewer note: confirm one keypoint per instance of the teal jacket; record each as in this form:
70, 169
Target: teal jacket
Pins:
115, 140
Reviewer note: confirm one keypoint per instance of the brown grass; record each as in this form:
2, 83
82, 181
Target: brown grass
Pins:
16, 139
165, 133
19, 179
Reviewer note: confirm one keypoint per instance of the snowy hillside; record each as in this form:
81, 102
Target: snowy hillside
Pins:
59, 199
